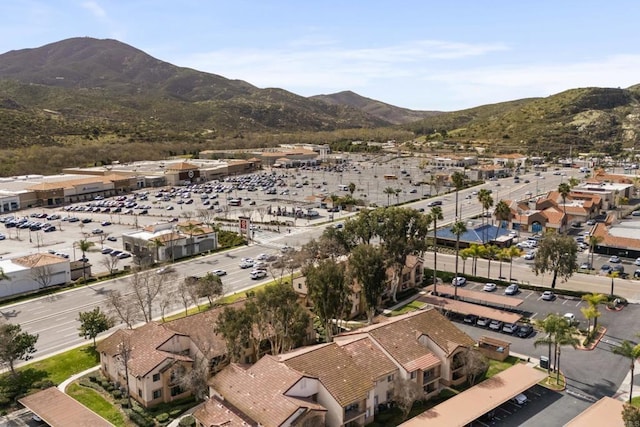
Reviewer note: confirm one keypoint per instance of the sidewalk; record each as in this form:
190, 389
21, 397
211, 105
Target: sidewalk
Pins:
63, 385
623, 391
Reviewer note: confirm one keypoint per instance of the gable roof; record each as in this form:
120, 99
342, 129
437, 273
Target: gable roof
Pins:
144, 343
335, 369
368, 356
259, 391
399, 336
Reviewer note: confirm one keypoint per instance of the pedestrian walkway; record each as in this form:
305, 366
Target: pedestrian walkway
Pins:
625, 387
64, 384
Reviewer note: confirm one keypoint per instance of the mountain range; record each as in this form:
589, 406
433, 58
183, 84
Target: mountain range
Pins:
91, 88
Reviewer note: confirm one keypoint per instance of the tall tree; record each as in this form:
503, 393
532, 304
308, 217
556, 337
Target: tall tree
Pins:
475, 251
92, 323
630, 415
594, 300
84, 245
191, 229
368, 267
15, 345
123, 308
459, 181
404, 233
389, 191
502, 213
287, 321
485, 199
593, 242
210, 286
556, 254
549, 325
352, 188
512, 252
632, 352
405, 394
564, 189
435, 215
328, 292
236, 327
490, 252
565, 336
458, 229
146, 287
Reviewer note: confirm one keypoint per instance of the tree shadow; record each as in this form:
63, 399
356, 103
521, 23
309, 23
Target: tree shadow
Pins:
15, 387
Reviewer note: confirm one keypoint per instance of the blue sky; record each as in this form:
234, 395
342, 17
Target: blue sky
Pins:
424, 55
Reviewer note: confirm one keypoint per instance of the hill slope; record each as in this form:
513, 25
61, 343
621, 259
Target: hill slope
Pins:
94, 82
387, 112
602, 119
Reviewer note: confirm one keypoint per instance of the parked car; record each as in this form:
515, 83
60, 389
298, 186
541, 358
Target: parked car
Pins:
570, 318
97, 231
524, 331
586, 266
606, 269
112, 239
520, 399
529, 256
458, 281
548, 296
123, 255
164, 270
510, 328
637, 261
614, 259
489, 287
496, 325
471, 318
106, 251
482, 321
512, 289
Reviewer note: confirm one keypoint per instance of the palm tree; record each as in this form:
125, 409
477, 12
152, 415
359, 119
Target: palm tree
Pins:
502, 213
512, 252
565, 335
485, 199
389, 191
490, 253
459, 179
464, 255
191, 229
594, 300
436, 215
156, 244
398, 191
593, 242
548, 326
458, 229
476, 251
564, 189
632, 352
84, 246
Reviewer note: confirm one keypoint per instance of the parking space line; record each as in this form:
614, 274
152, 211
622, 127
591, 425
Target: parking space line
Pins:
565, 301
481, 423
530, 293
533, 315
502, 409
578, 303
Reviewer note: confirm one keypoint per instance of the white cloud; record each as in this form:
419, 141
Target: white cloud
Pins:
95, 9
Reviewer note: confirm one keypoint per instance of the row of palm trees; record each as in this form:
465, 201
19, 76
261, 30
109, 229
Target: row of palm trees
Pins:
489, 252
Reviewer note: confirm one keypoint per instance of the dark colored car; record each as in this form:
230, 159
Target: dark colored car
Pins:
524, 331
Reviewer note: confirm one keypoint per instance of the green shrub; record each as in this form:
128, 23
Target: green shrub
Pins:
175, 412
105, 384
161, 418
93, 378
124, 403
117, 394
187, 421
141, 420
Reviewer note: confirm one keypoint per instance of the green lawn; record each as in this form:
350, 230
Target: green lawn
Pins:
412, 306
495, 366
97, 403
61, 366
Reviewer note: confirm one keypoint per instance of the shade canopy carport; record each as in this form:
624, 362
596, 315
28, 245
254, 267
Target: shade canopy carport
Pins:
480, 399
59, 410
464, 308
479, 297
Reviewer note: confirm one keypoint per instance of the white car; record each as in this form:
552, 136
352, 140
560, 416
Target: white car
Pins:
219, 272
164, 270
489, 287
458, 281
637, 261
570, 318
257, 274
529, 256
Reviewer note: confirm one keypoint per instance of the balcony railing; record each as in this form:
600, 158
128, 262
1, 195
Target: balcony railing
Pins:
352, 414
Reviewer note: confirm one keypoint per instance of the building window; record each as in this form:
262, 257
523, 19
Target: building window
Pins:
156, 377
413, 375
157, 394
389, 394
390, 378
175, 391
139, 392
